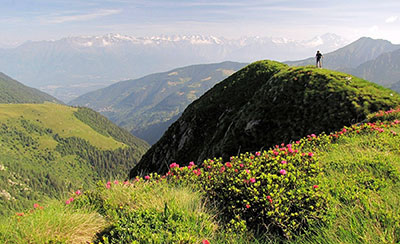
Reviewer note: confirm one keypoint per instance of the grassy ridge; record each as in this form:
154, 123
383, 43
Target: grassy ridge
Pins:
60, 119
264, 104
47, 150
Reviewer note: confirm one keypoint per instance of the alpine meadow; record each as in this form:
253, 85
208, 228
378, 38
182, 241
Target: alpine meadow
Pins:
200, 122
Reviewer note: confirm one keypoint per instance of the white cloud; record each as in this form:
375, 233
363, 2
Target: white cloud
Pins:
374, 28
82, 17
392, 19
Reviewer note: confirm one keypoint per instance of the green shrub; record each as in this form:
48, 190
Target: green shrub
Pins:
149, 212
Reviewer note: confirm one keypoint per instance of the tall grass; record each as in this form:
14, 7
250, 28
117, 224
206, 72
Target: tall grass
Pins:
55, 223
362, 175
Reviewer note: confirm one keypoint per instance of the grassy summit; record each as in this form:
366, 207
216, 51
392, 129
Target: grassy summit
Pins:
263, 104
47, 149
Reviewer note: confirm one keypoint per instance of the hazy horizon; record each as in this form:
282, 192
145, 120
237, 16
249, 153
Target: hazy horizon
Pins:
25, 20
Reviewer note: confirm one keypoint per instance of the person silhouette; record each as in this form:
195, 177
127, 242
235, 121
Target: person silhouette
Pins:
318, 58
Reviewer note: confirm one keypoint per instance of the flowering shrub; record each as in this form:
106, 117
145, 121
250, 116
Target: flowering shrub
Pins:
389, 115
275, 190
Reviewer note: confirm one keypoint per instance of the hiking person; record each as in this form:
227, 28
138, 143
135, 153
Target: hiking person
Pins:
318, 58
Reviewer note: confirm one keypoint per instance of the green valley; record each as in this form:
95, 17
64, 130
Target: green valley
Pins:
149, 105
48, 149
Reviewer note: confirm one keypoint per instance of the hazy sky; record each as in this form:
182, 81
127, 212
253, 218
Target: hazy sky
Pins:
22, 20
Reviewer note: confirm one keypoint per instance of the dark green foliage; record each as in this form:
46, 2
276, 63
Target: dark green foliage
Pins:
263, 104
106, 163
11, 91
152, 226
104, 126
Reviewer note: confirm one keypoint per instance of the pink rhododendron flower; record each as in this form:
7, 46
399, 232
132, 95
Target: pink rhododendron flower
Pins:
205, 242
36, 205
247, 171
315, 186
78, 192
222, 169
147, 177
191, 164
252, 180
283, 172
247, 206
310, 154
116, 182
108, 186
241, 165
174, 165
67, 202
258, 154
283, 162
228, 164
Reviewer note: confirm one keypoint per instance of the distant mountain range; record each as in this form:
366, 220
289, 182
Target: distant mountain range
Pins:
374, 60
12, 91
147, 106
262, 105
72, 66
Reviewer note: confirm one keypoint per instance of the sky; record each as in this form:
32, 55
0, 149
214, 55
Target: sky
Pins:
23, 20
